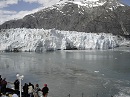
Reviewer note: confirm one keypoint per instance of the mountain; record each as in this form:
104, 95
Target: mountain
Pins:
95, 16
88, 24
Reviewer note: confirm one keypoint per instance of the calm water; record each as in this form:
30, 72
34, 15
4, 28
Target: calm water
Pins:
90, 72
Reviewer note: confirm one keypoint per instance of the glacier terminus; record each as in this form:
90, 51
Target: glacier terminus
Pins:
45, 40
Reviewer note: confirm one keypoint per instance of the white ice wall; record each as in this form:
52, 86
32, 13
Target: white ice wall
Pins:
42, 40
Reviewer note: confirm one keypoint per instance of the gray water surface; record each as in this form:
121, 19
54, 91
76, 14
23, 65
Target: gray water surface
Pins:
90, 72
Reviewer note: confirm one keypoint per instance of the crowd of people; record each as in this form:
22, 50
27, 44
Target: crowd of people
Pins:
29, 90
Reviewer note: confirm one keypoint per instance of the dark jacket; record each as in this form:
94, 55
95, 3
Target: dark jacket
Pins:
16, 84
45, 90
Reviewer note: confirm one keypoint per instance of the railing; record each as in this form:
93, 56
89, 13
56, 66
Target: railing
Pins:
82, 95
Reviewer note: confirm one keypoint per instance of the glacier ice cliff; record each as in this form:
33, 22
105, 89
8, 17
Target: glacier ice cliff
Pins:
44, 40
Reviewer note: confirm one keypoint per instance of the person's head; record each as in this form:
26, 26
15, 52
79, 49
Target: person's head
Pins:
37, 85
45, 85
30, 83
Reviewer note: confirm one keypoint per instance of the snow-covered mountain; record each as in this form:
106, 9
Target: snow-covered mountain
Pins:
95, 16
43, 40
92, 3
74, 24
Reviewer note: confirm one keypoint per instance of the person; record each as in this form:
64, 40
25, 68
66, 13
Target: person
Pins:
3, 84
25, 90
16, 84
14, 95
45, 90
0, 84
30, 90
0, 76
36, 90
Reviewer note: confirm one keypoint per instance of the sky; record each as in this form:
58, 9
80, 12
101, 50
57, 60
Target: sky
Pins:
15, 9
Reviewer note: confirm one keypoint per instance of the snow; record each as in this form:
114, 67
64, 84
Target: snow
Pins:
43, 40
84, 3
87, 3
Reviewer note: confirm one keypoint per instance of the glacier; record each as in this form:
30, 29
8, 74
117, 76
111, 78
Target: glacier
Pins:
40, 40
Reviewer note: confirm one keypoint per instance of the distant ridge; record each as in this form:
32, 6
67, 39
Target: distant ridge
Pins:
95, 16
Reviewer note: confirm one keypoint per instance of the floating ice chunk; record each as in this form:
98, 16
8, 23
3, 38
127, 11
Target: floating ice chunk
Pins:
115, 58
96, 71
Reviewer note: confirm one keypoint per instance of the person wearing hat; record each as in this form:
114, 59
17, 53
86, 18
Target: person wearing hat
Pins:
45, 90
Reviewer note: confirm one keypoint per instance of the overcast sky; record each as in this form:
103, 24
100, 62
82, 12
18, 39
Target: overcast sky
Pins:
11, 9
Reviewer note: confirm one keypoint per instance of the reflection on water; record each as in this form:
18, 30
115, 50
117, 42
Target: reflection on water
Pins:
71, 72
